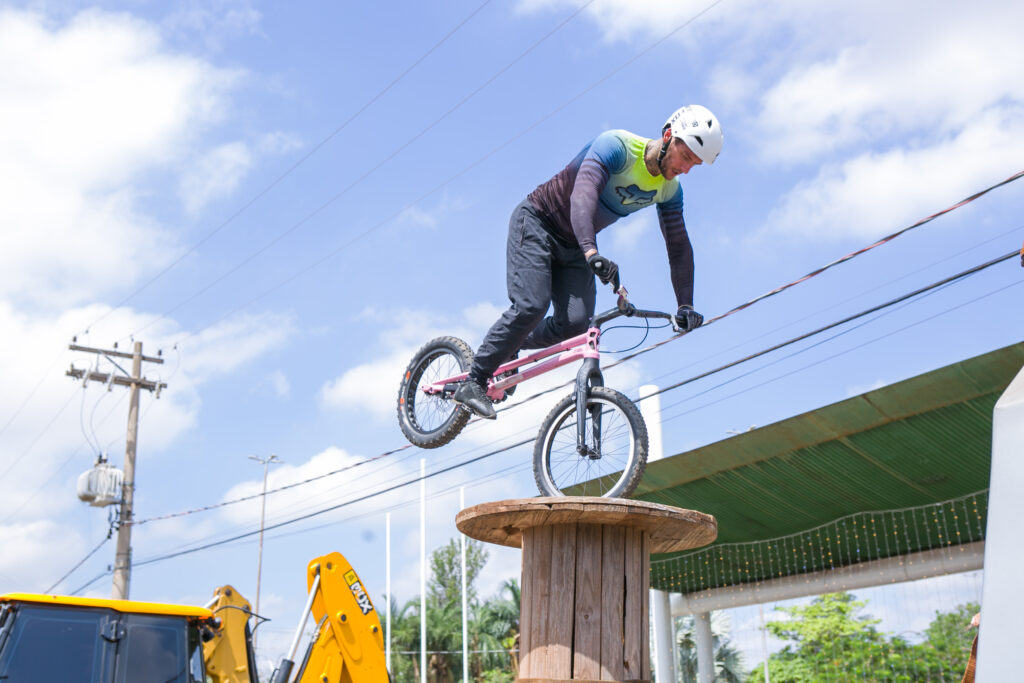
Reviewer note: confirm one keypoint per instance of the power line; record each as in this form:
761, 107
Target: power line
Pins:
294, 166
836, 355
39, 436
736, 309
81, 562
398, 150
782, 288
329, 255
837, 304
945, 281
31, 393
751, 302
347, 503
242, 499
74, 454
873, 309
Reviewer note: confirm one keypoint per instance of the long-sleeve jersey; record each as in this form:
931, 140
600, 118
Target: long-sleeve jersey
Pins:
607, 180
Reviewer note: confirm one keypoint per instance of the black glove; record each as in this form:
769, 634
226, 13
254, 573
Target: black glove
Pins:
687, 319
604, 268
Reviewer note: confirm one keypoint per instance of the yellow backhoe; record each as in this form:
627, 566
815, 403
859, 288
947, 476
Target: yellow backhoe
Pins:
125, 641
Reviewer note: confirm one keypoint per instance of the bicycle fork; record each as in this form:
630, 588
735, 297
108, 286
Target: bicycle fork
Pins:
588, 376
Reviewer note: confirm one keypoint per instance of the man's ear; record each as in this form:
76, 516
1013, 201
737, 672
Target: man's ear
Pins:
666, 135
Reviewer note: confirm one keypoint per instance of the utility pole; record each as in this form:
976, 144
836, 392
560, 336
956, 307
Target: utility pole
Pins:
135, 381
266, 462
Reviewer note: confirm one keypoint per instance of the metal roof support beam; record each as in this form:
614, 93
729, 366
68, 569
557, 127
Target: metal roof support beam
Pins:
923, 565
1002, 601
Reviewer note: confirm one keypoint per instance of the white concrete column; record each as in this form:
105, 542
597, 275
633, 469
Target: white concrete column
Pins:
1002, 601
664, 660
650, 408
661, 611
705, 647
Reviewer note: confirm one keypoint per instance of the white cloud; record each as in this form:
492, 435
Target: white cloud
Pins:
87, 108
431, 217
622, 20
941, 82
360, 388
876, 193
39, 555
219, 171
627, 234
858, 389
325, 480
372, 386
225, 346
895, 108
280, 383
216, 174
53, 426
215, 20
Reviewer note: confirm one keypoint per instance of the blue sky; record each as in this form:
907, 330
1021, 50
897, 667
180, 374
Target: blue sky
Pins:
270, 195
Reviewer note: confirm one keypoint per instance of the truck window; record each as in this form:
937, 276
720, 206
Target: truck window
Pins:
153, 650
29, 652
195, 647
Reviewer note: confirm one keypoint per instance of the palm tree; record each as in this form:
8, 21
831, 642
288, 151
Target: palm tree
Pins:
405, 641
728, 660
497, 625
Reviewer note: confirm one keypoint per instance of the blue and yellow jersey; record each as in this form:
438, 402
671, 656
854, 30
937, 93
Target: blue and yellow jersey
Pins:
630, 186
606, 181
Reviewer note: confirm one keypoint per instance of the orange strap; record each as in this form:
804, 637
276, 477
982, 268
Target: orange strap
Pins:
971, 663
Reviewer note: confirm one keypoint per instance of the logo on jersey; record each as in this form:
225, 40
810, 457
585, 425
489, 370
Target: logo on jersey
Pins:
634, 195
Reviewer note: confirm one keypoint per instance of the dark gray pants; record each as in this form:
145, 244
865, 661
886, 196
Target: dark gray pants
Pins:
540, 271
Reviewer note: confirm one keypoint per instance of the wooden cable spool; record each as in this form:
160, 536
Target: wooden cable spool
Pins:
585, 579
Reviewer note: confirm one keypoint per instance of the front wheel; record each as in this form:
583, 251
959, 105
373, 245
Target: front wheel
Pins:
432, 420
614, 448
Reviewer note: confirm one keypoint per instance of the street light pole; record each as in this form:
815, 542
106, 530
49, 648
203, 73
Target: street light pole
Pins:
266, 462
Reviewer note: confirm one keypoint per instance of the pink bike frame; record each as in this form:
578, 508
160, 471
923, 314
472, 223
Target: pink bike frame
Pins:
580, 347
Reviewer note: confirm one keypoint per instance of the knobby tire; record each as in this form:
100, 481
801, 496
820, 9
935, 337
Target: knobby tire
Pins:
432, 421
558, 468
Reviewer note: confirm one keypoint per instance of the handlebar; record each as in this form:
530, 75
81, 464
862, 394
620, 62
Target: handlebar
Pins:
624, 308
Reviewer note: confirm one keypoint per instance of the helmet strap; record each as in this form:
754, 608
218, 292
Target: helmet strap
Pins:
664, 150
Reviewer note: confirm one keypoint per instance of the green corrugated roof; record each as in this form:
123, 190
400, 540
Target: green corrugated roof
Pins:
921, 441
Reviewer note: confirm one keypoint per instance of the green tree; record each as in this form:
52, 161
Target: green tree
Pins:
444, 606
444, 621
830, 636
830, 639
948, 640
497, 626
405, 640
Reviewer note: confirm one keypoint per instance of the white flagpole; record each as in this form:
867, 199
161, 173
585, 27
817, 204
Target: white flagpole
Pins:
423, 570
387, 591
465, 601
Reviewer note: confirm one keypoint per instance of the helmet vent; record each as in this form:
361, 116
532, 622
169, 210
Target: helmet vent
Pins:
710, 123
697, 138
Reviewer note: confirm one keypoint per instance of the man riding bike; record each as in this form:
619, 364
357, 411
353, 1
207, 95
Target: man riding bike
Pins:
552, 254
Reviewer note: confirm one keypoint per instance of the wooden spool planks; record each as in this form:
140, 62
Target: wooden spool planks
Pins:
585, 580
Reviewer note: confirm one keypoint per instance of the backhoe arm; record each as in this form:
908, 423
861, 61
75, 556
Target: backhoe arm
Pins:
228, 654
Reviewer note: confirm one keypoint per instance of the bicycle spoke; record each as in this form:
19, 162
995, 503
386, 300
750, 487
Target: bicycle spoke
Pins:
610, 438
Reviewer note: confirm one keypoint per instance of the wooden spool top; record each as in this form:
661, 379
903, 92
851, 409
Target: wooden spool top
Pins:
670, 529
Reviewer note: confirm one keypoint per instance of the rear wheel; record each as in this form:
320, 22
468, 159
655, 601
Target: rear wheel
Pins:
615, 447
432, 420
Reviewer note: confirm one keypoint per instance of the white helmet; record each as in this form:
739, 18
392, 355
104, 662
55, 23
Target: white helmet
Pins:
699, 129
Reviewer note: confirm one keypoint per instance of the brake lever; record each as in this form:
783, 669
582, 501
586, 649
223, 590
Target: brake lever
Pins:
623, 303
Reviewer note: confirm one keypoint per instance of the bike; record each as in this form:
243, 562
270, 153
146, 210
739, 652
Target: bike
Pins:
603, 453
